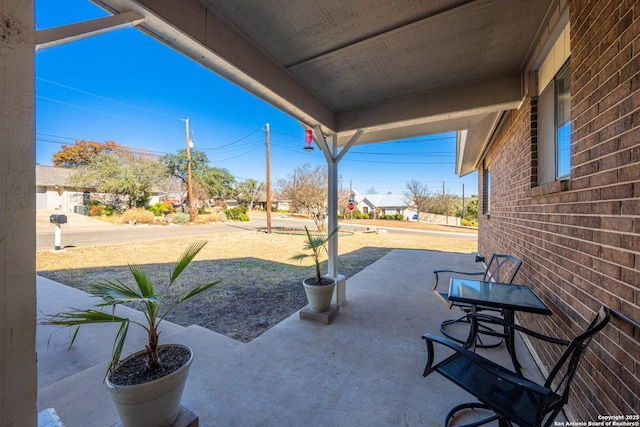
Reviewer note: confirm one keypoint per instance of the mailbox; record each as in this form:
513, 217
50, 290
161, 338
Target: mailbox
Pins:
58, 219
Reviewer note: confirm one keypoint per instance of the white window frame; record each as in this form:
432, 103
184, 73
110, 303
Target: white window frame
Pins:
554, 128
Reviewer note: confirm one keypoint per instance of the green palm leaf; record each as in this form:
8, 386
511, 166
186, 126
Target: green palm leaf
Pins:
186, 258
83, 317
142, 280
114, 292
198, 290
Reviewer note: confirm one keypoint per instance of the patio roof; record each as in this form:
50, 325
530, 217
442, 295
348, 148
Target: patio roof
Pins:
392, 69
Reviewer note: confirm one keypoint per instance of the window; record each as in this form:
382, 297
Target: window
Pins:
486, 190
554, 128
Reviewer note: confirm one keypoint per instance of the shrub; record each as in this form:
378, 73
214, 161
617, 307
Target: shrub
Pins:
160, 208
180, 218
207, 218
107, 210
137, 216
468, 222
96, 208
237, 214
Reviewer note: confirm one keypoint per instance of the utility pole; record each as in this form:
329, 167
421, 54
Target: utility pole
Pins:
192, 215
268, 179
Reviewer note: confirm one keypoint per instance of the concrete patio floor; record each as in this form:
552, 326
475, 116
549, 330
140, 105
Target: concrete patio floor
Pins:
364, 369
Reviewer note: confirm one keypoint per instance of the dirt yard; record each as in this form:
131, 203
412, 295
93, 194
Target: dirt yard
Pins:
260, 285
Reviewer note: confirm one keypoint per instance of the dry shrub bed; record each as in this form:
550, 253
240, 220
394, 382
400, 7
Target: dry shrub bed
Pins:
260, 286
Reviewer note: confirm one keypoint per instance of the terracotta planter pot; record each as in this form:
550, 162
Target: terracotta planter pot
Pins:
319, 296
153, 404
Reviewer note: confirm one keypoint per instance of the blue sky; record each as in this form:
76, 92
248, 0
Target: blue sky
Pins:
126, 87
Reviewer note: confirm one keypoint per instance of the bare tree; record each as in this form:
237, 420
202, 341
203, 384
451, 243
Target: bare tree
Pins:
445, 204
418, 196
306, 189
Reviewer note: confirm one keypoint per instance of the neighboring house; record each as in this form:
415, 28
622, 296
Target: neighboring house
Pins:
384, 204
53, 192
276, 202
393, 204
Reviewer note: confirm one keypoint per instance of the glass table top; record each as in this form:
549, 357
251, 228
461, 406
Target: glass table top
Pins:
500, 295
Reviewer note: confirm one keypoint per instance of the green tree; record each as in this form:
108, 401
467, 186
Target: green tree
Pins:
129, 177
471, 210
176, 163
246, 192
219, 181
211, 182
81, 152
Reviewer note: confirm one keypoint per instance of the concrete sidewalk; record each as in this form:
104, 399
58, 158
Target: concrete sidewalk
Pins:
364, 369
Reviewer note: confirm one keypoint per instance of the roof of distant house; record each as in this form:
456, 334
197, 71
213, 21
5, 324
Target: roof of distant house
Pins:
386, 200
49, 176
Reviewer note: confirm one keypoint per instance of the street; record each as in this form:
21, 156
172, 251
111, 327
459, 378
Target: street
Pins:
84, 231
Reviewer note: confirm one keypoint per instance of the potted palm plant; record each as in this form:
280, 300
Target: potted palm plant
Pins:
147, 386
319, 289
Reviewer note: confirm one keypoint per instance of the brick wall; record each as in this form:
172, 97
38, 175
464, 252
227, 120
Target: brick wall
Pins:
580, 239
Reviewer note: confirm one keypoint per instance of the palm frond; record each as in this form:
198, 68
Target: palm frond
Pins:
142, 280
188, 295
118, 345
300, 257
197, 290
114, 292
186, 258
77, 317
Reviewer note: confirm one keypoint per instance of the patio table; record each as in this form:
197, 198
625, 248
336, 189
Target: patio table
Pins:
507, 297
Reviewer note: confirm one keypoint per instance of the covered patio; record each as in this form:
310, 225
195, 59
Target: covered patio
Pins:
364, 369
356, 74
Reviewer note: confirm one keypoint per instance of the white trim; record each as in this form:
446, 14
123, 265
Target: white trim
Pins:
555, 59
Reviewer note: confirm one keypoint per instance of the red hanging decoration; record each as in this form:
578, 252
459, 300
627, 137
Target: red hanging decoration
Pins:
308, 137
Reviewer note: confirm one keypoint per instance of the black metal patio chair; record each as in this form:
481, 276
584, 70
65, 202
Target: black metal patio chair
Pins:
502, 269
512, 398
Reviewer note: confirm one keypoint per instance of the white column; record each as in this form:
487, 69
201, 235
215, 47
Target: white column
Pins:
332, 208
18, 384
340, 294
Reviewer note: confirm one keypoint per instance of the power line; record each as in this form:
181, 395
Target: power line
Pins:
104, 97
231, 143
98, 111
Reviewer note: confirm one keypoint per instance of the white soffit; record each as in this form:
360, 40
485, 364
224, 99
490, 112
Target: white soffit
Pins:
392, 69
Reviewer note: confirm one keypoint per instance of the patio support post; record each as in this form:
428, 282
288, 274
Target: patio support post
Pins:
18, 384
329, 148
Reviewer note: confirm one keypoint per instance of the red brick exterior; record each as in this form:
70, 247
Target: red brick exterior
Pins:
580, 239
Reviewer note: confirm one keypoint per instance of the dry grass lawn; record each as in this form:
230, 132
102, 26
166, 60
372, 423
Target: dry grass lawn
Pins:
260, 285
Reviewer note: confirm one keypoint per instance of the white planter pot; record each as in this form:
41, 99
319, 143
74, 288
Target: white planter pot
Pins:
153, 404
319, 297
